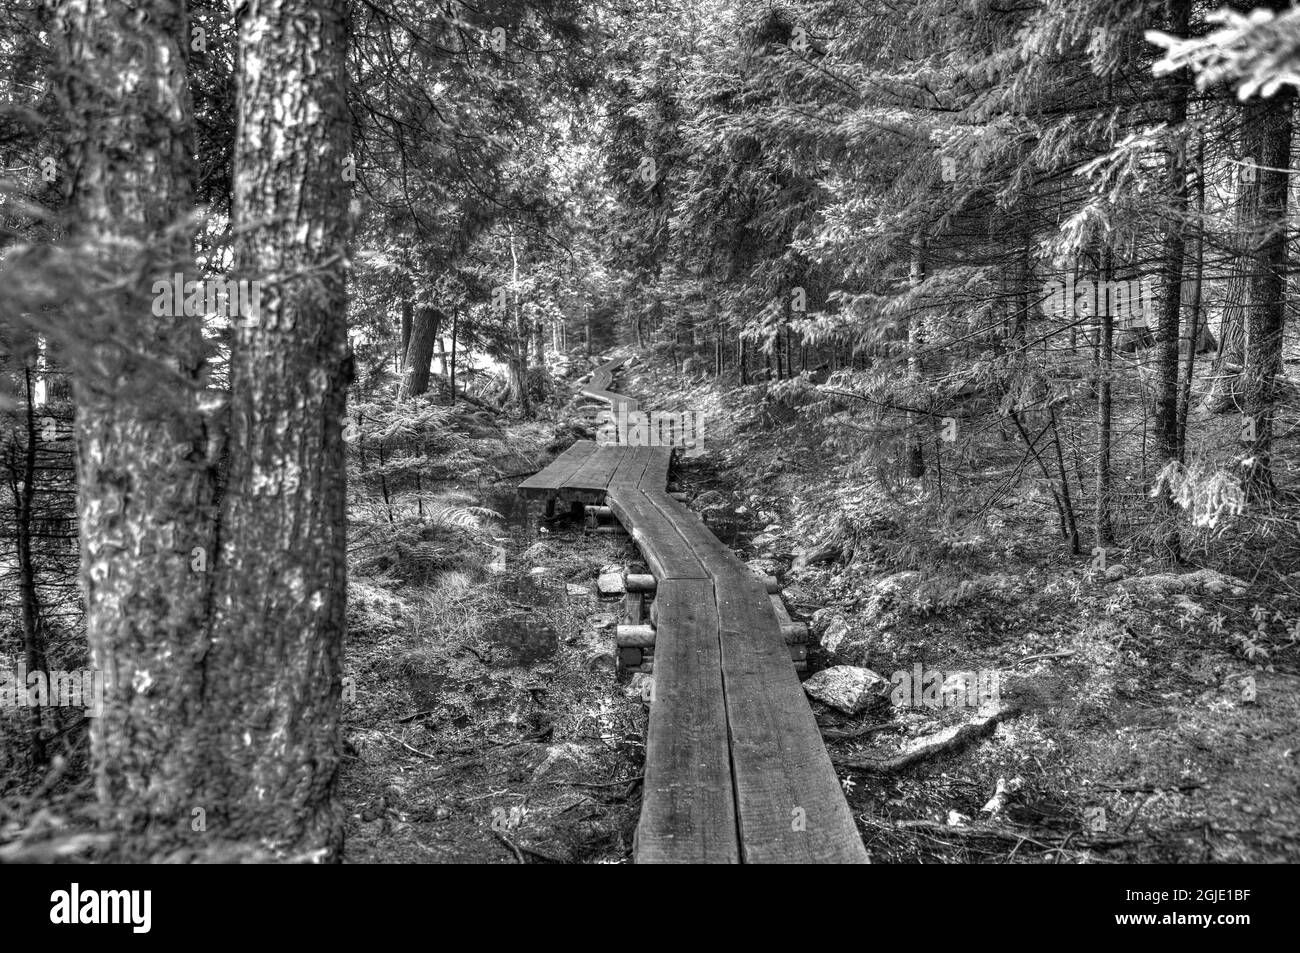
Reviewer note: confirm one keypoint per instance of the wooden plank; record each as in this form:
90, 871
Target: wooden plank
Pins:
789, 803
549, 480
667, 552
589, 481
735, 766
655, 476
688, 812
601, 380
631, 465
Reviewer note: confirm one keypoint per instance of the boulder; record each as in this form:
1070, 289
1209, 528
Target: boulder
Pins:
848, 688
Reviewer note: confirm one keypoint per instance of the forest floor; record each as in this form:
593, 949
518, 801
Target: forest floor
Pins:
1140, 732
488, 725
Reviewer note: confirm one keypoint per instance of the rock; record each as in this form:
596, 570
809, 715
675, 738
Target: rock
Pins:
638, 686
765, 539
821, 619
602, 660
535, 553
1116, 572
835, 634
826, 552
1202, 580
765, 566
441, 813
848, 688
610, 583
838, 637
710, 500
573, 589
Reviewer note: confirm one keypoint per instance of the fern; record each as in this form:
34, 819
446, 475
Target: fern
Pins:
464, 517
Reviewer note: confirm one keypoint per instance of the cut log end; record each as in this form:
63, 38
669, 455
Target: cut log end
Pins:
638, 636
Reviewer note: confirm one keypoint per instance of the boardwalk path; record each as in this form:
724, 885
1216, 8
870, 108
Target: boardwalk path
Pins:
735, 767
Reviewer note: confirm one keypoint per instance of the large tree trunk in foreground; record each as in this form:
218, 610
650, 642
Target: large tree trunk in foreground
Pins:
273, 688
145, 490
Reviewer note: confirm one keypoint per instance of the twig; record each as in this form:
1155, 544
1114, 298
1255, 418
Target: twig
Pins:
442, 768
1035, 658
519, 856
422, 754
602, 784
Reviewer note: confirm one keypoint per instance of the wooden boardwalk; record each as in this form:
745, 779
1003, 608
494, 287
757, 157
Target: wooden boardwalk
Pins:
736, 771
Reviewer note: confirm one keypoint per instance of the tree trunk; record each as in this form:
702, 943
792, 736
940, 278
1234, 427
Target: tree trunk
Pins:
517, 363
419, 355
451, 364
914, 446
1266, 127
1196, 330
24, 498
1165, 425
408, 309
1103, 532
145, 485
272, 691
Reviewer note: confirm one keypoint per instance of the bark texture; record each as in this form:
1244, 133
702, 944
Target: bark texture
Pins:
273, 688
419, 353
145, 488
1267, 129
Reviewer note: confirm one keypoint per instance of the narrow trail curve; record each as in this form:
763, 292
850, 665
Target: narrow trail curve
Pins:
736, 771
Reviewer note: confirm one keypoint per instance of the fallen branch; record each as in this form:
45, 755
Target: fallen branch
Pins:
948, 741
974, 831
